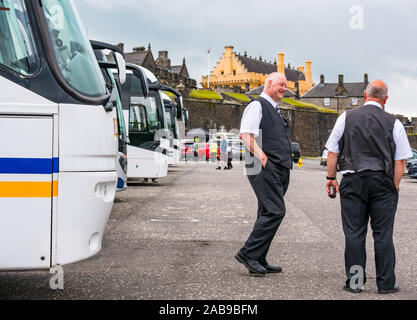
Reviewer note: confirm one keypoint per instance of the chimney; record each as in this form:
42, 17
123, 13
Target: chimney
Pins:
281, 63
121, 45
163, 59
246, 54
309, 73
229, 51
341, 90
162, 54
138, 49
322, 79
366, 79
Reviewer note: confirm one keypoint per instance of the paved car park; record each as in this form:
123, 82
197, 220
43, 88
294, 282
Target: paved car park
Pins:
177, 240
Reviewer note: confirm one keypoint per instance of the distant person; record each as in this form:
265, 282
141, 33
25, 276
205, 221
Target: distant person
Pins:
154, 180
371, 147
323, 148
194, 149
213, 151
223, 153
265, 133
229, 156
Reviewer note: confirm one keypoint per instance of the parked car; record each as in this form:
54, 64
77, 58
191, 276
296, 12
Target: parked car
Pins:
186, 149
411, 160
296, 152
323, 159
204, 151
238, 149
412, 170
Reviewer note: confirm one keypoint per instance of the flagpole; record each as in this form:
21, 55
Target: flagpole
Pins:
208, 77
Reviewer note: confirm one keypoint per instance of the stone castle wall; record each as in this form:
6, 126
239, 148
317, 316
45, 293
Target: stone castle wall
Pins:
413, 141
309, 128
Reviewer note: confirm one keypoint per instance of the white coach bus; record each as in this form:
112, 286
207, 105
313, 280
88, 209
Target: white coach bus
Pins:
175, 114
59, 138
147, 151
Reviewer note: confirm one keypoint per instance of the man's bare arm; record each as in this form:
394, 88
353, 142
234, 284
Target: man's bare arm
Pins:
399, 168
332, 159
255, 149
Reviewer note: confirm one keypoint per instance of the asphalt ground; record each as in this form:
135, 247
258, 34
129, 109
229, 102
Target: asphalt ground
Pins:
177, 241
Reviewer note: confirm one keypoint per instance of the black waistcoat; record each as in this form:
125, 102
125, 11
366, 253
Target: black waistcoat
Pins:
368, 142
274, 137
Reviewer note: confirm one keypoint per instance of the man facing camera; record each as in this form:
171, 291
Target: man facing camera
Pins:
266, 135
370, 146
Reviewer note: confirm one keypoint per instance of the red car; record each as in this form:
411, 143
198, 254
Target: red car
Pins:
204, 151
186, 149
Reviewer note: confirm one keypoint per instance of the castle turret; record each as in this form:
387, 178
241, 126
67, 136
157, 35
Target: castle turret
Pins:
228, 68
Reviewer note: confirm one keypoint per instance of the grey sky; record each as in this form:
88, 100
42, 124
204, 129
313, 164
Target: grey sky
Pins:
318, 30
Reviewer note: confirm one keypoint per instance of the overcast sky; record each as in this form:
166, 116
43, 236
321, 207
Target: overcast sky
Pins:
330, 33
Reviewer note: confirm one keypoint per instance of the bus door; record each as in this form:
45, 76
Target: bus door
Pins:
27, 186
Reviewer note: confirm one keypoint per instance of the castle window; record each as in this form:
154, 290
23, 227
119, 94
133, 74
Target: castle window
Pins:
327, 102
222, 72
234, 72
354, 101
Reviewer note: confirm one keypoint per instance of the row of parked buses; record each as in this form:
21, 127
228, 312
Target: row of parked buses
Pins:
75, 128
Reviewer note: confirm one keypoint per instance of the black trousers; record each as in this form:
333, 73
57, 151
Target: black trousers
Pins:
374, 196
270, 187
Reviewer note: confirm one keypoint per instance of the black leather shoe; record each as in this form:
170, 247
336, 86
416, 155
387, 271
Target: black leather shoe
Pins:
252, 265
387, 291
271, 269
349, 289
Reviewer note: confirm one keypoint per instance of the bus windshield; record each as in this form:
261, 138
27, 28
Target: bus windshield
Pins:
73, 54
17, 50
151, 111
169, 119
122, 129
172, 125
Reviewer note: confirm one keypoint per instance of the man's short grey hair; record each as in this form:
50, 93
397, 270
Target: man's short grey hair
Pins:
377, 92
275, 76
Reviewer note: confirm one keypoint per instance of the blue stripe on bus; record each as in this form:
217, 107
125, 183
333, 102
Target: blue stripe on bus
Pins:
28, 166
55, 165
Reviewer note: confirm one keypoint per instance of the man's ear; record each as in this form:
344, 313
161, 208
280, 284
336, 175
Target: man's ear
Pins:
366, 95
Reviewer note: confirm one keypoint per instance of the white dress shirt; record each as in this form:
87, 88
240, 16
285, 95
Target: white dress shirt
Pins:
252, 116
403, 149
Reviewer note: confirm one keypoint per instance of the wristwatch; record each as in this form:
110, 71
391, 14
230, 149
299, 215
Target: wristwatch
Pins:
331, 178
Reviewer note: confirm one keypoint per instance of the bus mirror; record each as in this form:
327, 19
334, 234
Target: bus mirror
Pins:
121, 66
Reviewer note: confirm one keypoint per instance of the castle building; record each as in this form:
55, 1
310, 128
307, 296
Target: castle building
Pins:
241, 73
339, 96
171, 75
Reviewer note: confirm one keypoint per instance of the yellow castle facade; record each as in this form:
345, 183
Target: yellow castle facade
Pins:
240, 71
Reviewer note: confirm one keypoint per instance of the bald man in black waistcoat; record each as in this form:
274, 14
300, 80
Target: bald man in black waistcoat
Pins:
266, 135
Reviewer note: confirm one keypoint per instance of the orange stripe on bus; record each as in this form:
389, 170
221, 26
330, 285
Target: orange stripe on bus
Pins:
28, 189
